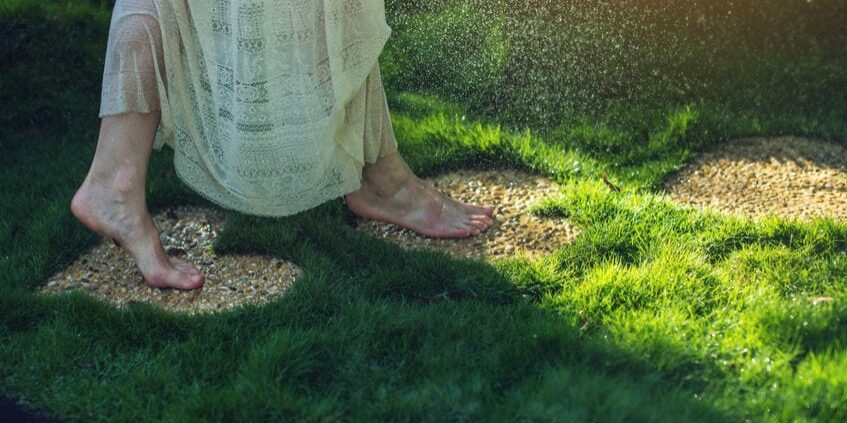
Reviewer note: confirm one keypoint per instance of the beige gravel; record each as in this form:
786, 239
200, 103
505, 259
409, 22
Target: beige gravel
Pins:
787, 176
109, 273
515, 230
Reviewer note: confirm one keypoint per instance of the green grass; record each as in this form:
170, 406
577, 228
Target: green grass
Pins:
655, 312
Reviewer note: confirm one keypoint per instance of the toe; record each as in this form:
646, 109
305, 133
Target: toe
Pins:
184, 267
189, 274
185, 275
187, 280
479, 224
487, 220
470, 229
484, 210
460, 230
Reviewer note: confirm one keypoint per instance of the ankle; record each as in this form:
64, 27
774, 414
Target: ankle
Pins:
122, 184
382, 188
385, 182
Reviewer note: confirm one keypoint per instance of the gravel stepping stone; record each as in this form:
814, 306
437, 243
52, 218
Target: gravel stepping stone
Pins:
515, 231
109, 273
789, 177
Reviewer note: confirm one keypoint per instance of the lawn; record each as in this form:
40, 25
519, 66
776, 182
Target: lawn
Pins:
655, 313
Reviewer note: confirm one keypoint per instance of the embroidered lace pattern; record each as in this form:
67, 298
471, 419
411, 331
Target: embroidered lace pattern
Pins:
271, 106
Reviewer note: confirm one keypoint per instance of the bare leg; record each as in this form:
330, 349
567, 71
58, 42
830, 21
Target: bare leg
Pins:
392, 193
111, 200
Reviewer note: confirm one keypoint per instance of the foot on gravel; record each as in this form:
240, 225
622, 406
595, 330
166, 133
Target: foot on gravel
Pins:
118, 211
418, 206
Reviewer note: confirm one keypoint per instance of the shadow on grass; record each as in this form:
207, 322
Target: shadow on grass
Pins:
362, 334
366, 332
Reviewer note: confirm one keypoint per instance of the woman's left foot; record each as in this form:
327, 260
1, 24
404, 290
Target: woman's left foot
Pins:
391, 193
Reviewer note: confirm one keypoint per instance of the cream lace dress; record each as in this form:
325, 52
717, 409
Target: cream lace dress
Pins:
271, 106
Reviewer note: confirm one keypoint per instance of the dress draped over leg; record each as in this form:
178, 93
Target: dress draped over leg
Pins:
271, 106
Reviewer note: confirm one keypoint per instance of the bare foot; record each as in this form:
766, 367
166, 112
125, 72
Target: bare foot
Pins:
392, 193
118, 211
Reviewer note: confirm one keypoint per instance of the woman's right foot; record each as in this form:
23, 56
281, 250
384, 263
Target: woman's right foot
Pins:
391, 193
116, 209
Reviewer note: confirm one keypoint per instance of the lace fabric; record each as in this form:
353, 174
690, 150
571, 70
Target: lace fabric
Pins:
271, 106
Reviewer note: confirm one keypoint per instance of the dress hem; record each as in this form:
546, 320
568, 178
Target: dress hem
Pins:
346, 189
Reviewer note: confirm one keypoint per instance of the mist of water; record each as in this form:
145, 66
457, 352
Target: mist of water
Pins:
537, 62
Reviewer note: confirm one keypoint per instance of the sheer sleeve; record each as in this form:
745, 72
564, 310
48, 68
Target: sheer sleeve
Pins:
133, 51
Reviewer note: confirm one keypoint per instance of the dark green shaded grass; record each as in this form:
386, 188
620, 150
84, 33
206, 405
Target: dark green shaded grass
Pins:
655, 313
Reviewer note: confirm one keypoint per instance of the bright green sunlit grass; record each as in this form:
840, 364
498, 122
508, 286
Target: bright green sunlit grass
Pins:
656, 312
